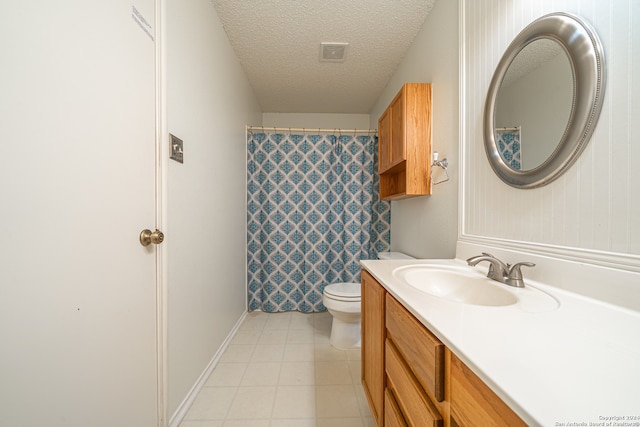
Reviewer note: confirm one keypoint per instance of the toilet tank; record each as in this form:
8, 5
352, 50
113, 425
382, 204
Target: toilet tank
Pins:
393, 255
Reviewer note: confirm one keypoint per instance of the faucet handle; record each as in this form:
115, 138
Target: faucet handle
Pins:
515, 268
515, 275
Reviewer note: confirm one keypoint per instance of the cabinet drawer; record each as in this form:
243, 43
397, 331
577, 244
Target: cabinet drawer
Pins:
419, 347
418, 410
475, 404
392, 414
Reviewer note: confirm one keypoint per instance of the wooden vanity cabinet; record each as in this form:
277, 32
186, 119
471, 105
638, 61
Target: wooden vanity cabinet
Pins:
404, 143
409, 376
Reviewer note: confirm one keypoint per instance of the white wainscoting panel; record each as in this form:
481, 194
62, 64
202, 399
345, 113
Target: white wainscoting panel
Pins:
594, 207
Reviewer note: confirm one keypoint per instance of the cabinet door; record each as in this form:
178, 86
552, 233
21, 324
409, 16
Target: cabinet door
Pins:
384, 141
398, 119
373, 331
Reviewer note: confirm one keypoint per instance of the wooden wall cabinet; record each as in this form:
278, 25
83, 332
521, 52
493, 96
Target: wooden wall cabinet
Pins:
409, 376
404, 143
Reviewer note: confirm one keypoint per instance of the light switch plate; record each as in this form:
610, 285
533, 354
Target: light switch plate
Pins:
176, 149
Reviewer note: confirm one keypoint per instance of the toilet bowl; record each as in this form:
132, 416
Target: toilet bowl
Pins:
342, 300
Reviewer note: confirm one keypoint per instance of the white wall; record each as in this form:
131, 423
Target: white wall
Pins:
316, 121
540, 102
594, 208
427, 227
209, 102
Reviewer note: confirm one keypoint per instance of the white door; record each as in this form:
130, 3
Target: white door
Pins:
77, 171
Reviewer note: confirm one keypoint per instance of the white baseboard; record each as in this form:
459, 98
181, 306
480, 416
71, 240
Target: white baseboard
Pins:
182, 410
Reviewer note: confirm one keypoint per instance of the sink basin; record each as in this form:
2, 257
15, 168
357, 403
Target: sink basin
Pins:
457, 284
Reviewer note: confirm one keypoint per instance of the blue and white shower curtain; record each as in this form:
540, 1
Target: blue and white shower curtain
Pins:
313, 212
509, 146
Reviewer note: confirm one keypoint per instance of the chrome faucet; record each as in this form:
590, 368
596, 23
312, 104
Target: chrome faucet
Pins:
501, 272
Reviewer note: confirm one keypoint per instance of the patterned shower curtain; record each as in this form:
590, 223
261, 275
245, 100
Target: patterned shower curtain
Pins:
509, 146
313, 212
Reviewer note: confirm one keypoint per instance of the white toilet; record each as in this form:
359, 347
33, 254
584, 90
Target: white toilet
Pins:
343, 302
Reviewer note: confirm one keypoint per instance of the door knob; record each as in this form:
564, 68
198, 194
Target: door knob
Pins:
147, 237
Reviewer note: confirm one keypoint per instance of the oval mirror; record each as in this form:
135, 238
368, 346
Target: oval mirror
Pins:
544, 100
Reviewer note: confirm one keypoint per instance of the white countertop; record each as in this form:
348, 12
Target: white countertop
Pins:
578, 363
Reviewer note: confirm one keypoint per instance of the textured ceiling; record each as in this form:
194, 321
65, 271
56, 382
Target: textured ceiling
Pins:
278, 45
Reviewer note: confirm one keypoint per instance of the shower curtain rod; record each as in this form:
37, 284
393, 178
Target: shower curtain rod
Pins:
511, 128
306, 130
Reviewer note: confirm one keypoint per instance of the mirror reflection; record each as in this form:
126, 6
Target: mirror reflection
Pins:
545, 98
534, 104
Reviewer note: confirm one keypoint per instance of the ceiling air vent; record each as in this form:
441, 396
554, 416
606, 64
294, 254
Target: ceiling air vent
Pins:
333, 52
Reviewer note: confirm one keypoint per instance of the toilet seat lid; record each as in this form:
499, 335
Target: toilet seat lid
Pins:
343, 290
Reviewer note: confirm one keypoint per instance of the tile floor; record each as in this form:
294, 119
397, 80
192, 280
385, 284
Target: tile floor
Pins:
280, 371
